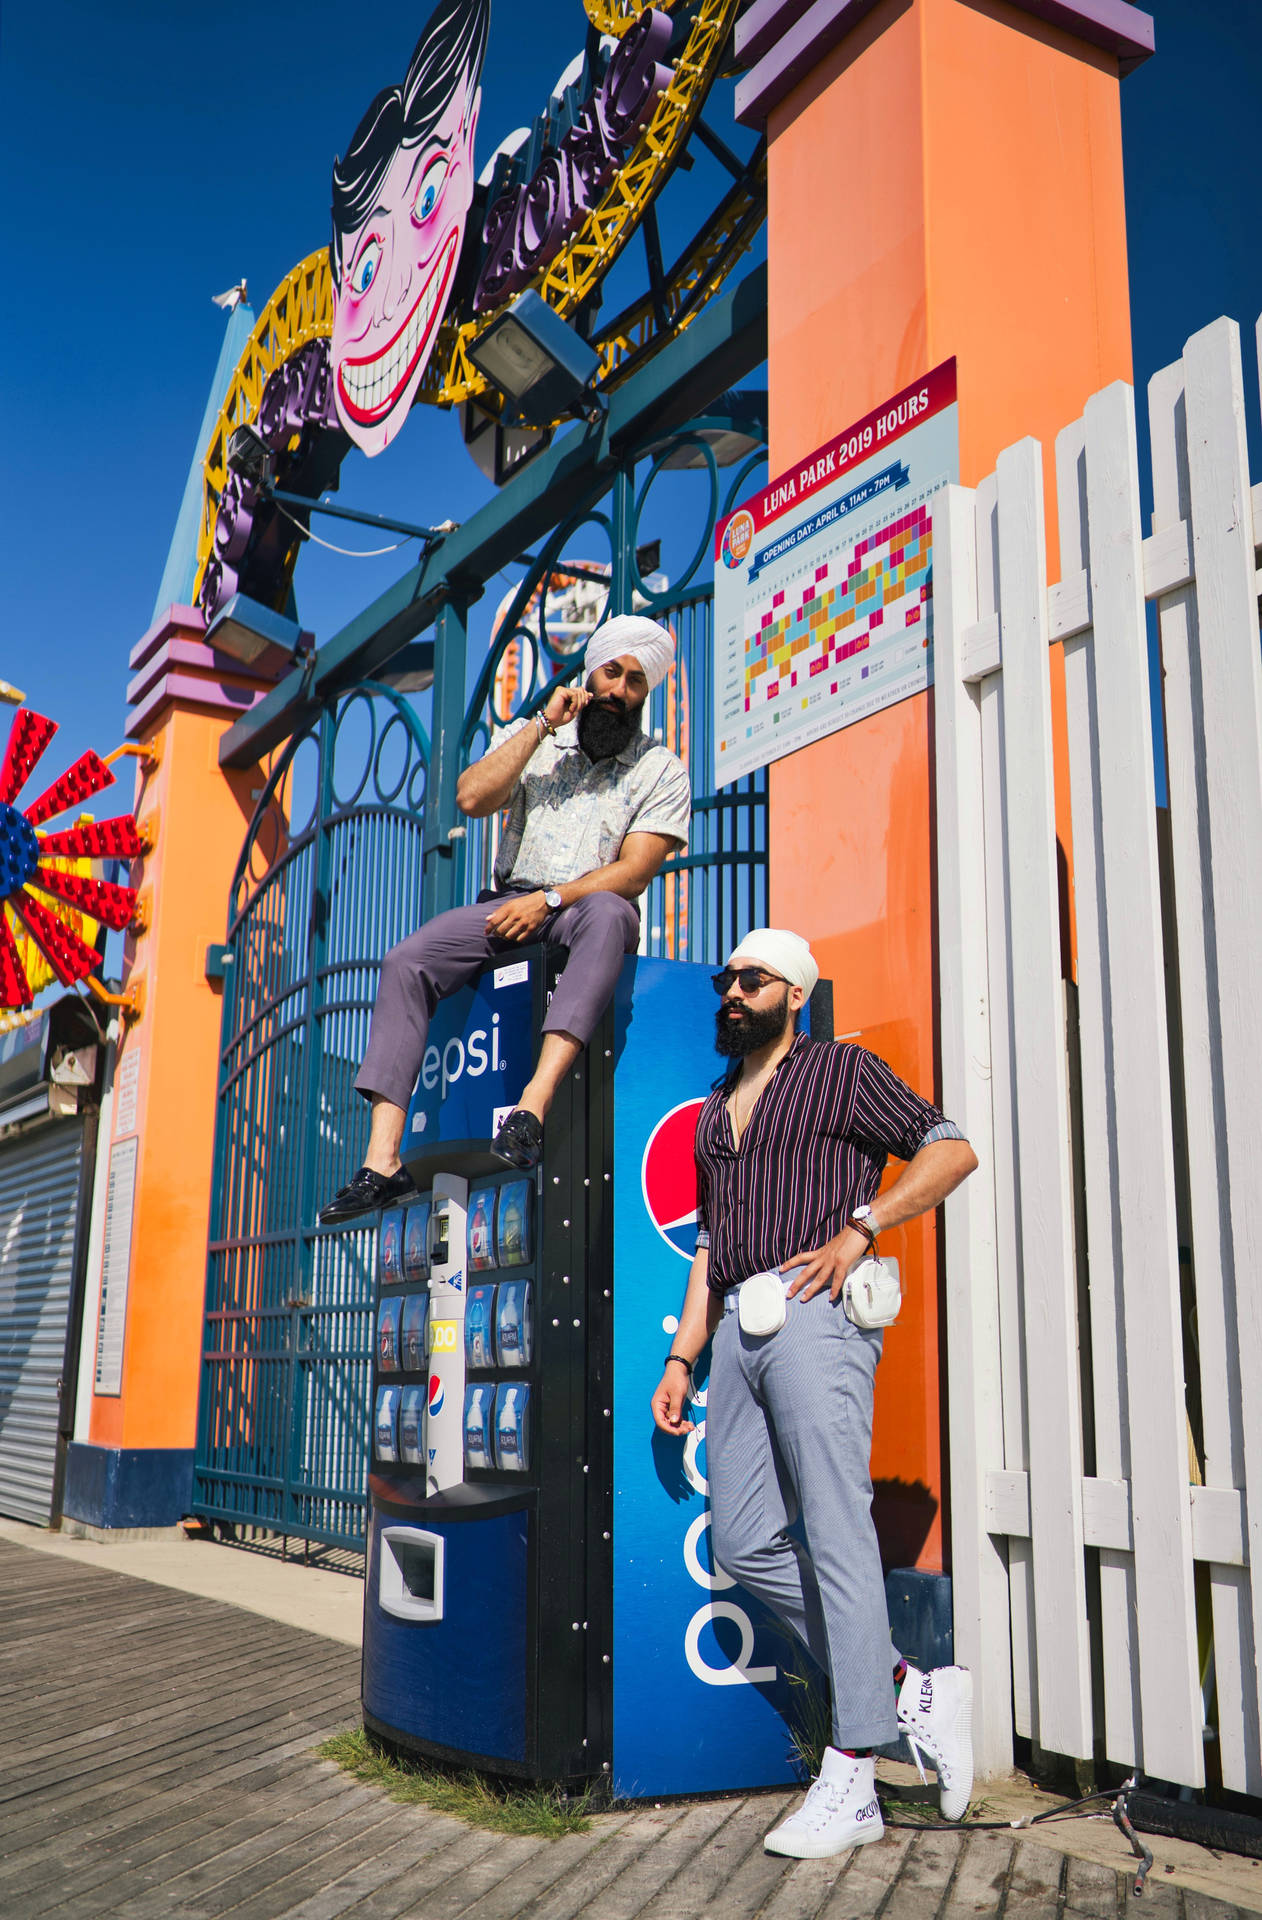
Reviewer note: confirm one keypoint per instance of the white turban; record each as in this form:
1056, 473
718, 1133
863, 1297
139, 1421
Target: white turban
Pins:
652, 645
781, 952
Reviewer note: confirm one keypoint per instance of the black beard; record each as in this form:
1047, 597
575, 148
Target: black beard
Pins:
742, 1029
605, 728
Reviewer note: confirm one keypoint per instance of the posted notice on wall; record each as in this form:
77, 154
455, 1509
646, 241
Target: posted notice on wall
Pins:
823, 582
116, 1266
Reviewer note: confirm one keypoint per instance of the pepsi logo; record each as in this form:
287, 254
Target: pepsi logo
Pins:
668, 1177
436, 1394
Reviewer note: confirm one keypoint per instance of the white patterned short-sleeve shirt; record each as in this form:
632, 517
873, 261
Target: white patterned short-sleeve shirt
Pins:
569, 815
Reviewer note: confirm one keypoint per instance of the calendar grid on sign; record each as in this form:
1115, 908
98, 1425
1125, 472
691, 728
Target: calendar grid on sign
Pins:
857, 608
823, 593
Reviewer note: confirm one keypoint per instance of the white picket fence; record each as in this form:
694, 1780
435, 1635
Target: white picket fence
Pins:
1081, 1501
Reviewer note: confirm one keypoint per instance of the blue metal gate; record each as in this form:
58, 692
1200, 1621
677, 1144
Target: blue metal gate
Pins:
331, 876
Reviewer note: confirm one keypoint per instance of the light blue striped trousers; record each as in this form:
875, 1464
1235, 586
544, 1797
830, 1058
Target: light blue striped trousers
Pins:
789, 1428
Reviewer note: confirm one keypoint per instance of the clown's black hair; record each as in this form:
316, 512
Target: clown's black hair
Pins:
448, 54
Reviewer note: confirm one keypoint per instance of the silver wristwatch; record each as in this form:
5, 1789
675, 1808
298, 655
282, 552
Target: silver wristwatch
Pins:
551, 899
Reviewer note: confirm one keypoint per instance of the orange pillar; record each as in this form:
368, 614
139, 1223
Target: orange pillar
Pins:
945, 178
134, 1469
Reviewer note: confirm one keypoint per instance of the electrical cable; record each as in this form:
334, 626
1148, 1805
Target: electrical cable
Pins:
348, 553
1006, 1826
1070, 1810
1142, 1853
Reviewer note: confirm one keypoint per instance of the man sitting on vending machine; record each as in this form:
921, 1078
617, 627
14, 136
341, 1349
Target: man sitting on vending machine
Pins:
595, 805
790, 1149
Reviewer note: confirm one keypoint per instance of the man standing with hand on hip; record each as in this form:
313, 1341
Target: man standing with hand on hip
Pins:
790, 1150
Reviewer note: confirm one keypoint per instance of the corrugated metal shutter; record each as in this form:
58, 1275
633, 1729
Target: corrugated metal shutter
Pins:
39, 1187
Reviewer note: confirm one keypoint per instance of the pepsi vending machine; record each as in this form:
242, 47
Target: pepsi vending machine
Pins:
539, 1584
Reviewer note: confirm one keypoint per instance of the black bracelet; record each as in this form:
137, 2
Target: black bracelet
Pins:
681, 1360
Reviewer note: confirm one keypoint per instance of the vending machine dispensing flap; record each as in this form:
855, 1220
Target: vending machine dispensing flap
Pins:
410, 1584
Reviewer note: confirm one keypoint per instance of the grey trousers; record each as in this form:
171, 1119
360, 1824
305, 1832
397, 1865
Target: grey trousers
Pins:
446, 954
788, 1427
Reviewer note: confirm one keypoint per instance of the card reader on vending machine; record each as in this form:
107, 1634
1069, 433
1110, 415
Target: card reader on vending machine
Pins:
448, 1289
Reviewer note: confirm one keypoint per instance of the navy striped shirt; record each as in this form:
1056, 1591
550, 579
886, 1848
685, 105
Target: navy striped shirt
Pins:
814, 1149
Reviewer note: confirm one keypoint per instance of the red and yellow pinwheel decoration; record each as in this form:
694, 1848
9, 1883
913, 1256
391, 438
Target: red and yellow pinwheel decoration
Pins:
38, 892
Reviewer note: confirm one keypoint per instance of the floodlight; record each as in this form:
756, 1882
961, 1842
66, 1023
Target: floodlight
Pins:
539, 363
253, 634
249, 454
732, 426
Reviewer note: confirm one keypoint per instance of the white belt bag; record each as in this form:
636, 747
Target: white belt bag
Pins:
760, 1303
871, 1297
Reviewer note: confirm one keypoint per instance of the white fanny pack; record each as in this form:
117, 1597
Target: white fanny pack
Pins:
760, 1303
872, 1297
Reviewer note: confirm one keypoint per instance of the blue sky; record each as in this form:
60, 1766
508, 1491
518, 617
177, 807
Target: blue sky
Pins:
153, 155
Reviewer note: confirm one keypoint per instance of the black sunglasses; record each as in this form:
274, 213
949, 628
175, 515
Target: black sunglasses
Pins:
750, 979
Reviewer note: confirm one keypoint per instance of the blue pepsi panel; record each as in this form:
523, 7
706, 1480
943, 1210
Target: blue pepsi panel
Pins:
683, 1632
411, 1426
481, 1250
514, 1242
390, 1251
479, 1326
412, 1332
513, 1343
479, 1418
416, 1241
477, 1059
460, 1681
512, 1427
386, 1424
388, 1336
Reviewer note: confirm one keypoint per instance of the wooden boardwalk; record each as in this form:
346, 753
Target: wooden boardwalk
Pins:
156, 1759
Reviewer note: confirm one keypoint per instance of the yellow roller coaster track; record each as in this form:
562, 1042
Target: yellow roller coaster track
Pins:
301, 309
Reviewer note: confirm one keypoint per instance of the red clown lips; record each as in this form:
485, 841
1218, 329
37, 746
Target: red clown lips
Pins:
370, 386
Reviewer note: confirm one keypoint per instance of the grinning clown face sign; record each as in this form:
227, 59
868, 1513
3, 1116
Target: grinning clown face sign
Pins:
401, 198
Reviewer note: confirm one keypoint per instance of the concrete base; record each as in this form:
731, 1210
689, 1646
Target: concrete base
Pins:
117, 1536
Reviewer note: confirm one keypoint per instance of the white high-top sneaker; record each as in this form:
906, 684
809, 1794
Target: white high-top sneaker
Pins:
935, 1713
840, 1810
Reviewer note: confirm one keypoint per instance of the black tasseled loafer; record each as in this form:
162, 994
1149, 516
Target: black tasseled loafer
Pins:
367, 1192
519, 1141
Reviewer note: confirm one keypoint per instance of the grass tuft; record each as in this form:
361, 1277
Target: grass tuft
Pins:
546, 1813
810, 1727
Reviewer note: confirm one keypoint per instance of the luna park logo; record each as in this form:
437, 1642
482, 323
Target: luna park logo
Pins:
738, 538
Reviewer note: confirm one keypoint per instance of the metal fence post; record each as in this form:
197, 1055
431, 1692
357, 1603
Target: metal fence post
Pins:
622, 535
451, 646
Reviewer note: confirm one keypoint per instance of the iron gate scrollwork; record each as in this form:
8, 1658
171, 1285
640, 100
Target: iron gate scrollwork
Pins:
329, 879
286, 1363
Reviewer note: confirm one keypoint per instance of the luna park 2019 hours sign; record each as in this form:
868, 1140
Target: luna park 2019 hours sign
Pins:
425, 251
